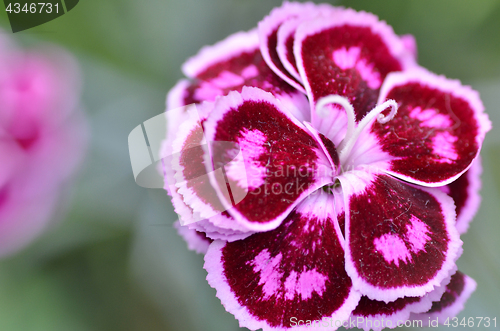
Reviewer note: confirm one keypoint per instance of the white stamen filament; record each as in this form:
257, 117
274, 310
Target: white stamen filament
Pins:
322, 111
353, 133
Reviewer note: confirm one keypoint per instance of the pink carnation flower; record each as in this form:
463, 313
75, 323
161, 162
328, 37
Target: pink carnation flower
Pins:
325, 174
42, 139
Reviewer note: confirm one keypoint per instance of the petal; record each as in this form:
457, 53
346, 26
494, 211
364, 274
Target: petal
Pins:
11, 155
275, 279
178, 95
438, 130
367, 153
286, 35
268, 35
197, 241
410, 44
348, 55
284, 47
220, 227
66, 144
377, 315
465, 193
189, 179
176, 113
191, 176
452, 302
326, 145
183, 136
279, 162
233, 63
401, 240
24, 216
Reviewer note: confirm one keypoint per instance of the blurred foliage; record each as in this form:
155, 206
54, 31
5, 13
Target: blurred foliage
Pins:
115, 262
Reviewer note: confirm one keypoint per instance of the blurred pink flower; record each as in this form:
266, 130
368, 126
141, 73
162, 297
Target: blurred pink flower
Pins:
42, 139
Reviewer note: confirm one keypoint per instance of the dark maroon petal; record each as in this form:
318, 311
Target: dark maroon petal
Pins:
286, 35
348, 55
401, 240
191, 177
268, 35
438, 130
284, 47
326, 144
378, 315
275, 279
188, 179
465, 192
233, 63
277, 164
452, 302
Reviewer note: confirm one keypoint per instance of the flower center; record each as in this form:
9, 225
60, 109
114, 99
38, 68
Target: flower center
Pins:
354, 129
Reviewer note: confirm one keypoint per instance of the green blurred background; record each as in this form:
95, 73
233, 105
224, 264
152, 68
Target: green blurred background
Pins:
115, 262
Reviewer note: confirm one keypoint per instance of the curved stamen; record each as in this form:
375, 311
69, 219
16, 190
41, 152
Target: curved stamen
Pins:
322, 111
350, 140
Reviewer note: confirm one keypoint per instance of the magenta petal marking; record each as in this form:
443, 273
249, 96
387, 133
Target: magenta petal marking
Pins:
348, 56
452, 302
296, 270
401, 240
438, 130
285, 160
465, 192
